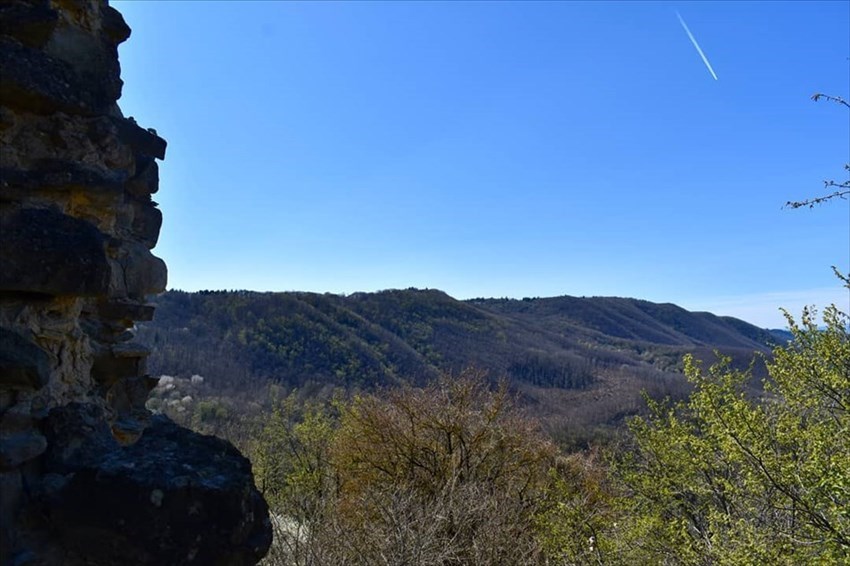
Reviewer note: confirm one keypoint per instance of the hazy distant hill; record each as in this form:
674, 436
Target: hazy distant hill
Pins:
572, 359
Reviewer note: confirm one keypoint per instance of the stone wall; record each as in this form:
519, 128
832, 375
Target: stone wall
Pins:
77, 223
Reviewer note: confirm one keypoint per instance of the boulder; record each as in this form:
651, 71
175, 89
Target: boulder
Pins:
15, 449
125, 310
146, 180
147, 220
31, 23
23, 365
36, 82
143, 141
174, 497
58, 174
45, 251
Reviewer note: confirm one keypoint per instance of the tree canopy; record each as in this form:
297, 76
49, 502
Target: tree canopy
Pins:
729, 477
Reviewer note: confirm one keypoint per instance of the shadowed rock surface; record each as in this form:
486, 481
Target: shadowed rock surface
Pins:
171, 488
86, 477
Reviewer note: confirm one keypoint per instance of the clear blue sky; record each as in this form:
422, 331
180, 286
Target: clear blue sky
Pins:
499, 148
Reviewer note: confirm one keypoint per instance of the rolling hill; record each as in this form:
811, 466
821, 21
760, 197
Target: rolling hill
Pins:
575, 362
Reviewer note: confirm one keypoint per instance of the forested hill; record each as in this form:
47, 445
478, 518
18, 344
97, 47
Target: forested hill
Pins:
369, 339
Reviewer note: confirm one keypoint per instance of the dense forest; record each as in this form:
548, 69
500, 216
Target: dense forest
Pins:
580, 364
406, 427
456, 470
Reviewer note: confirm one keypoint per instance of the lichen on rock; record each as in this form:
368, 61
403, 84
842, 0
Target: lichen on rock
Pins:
77, 223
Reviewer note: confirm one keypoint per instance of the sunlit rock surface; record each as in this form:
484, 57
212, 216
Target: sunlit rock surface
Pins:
77, 224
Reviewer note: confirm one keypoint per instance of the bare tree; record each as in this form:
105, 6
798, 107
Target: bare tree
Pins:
448, 475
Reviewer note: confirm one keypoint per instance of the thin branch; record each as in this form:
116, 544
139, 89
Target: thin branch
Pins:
837, 99
842, 194
843, 188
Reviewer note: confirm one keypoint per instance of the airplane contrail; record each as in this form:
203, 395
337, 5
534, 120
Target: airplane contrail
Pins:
694, 41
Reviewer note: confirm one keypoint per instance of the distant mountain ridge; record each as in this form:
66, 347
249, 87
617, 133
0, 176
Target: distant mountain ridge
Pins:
374, 338
635, 319
559, 353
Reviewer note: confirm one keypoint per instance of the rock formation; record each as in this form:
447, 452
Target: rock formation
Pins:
86, 477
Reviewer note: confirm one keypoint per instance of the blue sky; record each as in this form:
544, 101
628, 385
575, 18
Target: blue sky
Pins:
499, 148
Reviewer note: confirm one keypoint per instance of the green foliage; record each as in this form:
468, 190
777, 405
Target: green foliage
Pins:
579, 362
727, 478
452, 474
290, 457
580, 511
209, 411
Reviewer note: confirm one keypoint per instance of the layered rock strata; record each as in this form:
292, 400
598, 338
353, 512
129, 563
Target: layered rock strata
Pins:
77, 223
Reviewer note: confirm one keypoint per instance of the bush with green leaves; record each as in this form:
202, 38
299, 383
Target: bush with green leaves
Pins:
739, 473
734, 478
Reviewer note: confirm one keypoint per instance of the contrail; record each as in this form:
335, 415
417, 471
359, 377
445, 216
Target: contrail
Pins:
694, 41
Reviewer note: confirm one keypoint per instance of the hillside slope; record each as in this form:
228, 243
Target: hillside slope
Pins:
565, 356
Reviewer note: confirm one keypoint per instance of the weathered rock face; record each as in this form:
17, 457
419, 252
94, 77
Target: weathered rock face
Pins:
173, 497
77, 224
